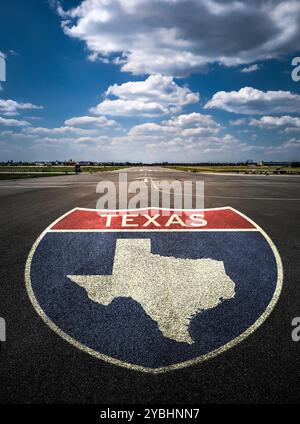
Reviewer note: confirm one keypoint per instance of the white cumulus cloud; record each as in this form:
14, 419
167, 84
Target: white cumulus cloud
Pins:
186, 125
60, 131
13, 122
129, 108
100, 121
155, 96
11, 107
156, 88
249, 100
178, 37
249, 69
275, 122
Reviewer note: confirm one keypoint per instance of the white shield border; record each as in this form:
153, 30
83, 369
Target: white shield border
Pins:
167, 368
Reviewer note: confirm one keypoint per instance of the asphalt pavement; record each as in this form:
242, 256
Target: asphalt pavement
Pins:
37, 366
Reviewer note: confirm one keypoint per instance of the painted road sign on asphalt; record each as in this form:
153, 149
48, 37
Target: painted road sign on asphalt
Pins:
154, 290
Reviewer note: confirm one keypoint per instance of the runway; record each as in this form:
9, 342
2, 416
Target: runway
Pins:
38, 366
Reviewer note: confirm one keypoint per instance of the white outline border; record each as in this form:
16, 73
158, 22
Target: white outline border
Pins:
173, 367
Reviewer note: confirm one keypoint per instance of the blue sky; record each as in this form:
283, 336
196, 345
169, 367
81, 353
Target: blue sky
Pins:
184, 80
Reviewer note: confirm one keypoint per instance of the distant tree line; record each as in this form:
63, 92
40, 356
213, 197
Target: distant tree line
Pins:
93, 163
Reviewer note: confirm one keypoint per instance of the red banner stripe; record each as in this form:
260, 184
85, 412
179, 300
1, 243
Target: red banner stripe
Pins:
153, 219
